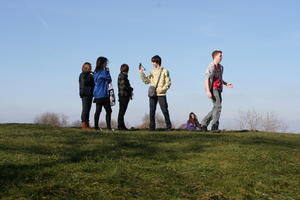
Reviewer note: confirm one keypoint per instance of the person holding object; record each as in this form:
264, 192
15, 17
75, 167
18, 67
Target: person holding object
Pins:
86, 88
213, 83
125, 94
102, 79
160, 82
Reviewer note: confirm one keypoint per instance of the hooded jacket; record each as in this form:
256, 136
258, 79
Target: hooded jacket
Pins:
101, 78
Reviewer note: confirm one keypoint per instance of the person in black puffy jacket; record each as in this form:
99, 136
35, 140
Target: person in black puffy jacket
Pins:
86, 88
125, 94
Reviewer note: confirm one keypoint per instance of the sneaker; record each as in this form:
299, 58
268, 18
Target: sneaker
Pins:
215, 128
98, 129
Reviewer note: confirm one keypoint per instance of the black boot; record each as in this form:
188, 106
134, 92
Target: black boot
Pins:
204, 128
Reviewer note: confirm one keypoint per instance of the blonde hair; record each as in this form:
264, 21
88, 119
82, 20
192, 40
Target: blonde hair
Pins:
86, 67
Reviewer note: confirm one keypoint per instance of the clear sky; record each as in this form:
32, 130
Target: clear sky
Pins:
45, 43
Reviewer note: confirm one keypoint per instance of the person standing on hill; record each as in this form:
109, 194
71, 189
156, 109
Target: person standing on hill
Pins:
86, 88
102, 79
125, 94
213, 83
160, 82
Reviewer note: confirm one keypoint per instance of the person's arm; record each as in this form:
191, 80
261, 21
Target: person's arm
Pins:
209, 74
81, 84
167, 84
145, 79
207, 89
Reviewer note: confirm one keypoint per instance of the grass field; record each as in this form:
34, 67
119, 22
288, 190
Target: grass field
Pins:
43, 162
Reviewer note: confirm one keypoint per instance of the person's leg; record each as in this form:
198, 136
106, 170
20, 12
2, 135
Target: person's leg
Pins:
108, 110
83, 113
164, 108
123, 104
89, 105
97, 115
152, 104
217, 109
206, 120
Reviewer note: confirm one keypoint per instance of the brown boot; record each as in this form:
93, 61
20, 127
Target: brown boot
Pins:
83, 125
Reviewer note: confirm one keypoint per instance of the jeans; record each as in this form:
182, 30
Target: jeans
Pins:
105, 102
86, 108
123, 104
162, 100
215, 113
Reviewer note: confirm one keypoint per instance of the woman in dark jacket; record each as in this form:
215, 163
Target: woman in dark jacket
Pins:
102, 79
125, 94
86, 88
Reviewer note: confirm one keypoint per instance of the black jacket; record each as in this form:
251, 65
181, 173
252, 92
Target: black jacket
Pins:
86, 84
125, 90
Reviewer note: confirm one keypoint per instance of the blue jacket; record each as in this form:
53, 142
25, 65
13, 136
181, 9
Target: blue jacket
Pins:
102, 79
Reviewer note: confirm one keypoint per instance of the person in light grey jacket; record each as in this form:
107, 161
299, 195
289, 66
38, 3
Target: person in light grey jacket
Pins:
214, 86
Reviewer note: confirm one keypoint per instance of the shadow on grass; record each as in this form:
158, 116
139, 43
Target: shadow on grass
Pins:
79, 146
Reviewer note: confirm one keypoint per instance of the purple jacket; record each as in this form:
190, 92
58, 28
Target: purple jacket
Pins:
191, 126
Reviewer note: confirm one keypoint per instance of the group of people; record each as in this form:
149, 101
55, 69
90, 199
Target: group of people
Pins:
94, 87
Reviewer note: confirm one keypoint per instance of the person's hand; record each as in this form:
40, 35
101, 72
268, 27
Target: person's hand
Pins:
141, 68
229, 85
160, 91
209, 95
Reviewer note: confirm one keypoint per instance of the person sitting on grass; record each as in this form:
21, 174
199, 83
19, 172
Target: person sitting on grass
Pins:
192, 123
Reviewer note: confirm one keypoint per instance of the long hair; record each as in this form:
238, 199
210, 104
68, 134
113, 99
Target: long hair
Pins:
191, 120
86, 67
101, 64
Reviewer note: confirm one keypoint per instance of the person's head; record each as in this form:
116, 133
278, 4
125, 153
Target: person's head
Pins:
217, 56
156, 61
101, 64
124, 69
192, 116
86, 67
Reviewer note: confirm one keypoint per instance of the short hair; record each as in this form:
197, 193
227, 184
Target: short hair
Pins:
124, 68
86, 67
101, 63
214, 53
156, 59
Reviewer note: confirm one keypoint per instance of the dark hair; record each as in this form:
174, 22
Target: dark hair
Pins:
85, 68
124, 68
191, 120
214, 53
156, 59
101, 63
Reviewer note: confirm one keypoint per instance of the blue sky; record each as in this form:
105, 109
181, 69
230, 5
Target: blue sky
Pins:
44, 43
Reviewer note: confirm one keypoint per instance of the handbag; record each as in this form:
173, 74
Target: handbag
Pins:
152, 89
111, 93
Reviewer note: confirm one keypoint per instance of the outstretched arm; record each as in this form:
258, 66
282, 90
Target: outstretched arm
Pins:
229, 85
145, 79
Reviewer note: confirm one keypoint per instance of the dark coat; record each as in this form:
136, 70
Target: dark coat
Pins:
86, 84
125, 90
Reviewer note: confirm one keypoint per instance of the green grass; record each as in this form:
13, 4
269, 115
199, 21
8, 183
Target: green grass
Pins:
43, 162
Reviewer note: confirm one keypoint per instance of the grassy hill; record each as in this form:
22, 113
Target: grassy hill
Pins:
43, 162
